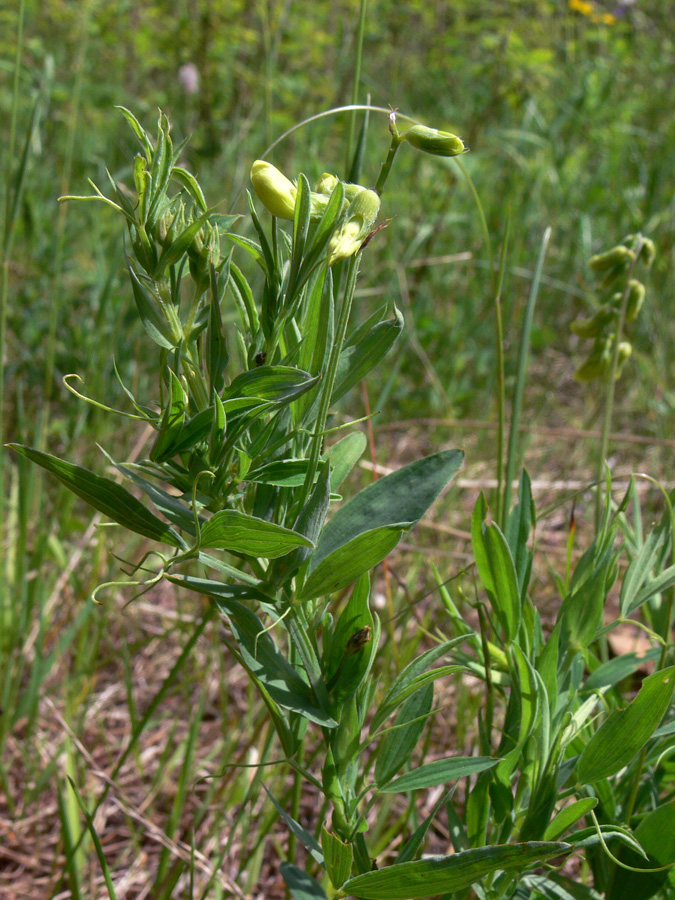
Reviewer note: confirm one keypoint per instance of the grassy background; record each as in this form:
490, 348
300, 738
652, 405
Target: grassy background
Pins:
568, 123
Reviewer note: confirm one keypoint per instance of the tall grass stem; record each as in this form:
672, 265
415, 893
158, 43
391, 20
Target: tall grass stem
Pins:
519, 387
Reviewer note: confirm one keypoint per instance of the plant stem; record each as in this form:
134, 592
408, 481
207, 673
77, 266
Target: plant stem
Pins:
357, 81
386, 165
609, 400
511, 457
329, 378
4, 294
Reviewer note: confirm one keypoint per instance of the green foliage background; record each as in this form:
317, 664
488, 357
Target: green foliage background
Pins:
566, 119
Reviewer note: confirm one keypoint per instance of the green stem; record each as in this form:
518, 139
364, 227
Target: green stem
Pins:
357, 80
387, 164
4, 295
329, 378
609, 400
511, 457
501, 510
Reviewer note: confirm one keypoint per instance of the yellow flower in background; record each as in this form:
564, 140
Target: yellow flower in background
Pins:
581, 6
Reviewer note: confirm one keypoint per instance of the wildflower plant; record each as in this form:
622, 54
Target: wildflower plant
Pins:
239, 488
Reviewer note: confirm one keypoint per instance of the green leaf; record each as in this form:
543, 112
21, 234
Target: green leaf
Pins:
104, 495
237, 532
301, 885
188, 181
176, 249
150, 310
306, 839
217, 355
626, 731
661, 583
350, 561
496, 569
348, 660
521, 521
281, 472
383, 509
398, 744
416, 839
639, 570
344, 455
447, 874
440, 771
568, 816
264, 659
220, 590
554, 886
656, 835
356, 361
615, 670
412, 678
338, 857
278, 383
172, 420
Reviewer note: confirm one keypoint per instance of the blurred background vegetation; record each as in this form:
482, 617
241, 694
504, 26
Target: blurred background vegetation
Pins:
567, 109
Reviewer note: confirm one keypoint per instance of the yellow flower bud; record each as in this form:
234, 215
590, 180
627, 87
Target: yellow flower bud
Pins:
327, 183
430, 140
275, 191
361, 216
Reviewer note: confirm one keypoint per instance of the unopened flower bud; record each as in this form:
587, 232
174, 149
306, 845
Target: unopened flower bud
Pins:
359, 221
598, 363
327, 183
430, 140
636, 296
625, 350
616, 258
593, 327
275, 191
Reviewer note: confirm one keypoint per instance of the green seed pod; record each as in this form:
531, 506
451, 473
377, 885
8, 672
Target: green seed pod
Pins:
275, 191
359, 221
617, 258
598, 363
648, 252
636, 296
593, 327
430, 140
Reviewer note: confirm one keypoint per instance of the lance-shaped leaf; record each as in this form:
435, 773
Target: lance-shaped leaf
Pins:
151, 312
412, 678
496, 569
440, 771
277, 383
447, 874
357, 360
104, 495
237, 532
263, 658
656, 835
626, 731
307, 839
172, 421
376, 516
399, 743
301, 885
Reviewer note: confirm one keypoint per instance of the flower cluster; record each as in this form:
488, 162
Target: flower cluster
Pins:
623, 297
586, 8
360, 206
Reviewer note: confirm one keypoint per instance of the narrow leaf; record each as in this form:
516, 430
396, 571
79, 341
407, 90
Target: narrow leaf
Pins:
447, 874
104, 495
626, 731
